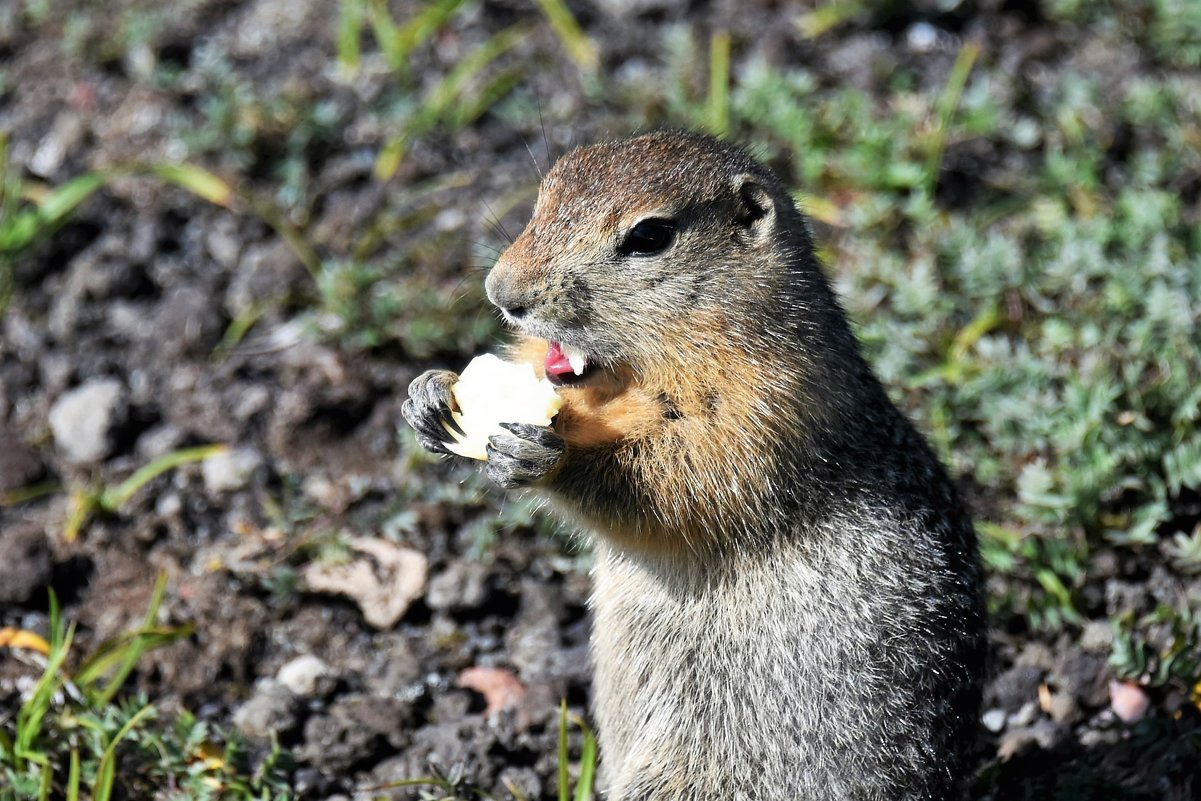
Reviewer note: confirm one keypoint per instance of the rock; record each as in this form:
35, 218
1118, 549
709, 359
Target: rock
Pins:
26, 566
1097, 637
501, 690
1062, 707
1128, 701
84, 418
187, 322
355, 729
395, 670
65, 135
461, 586
230, 471
222, 242
1024, 716
266, 273
306, 676
271, 710
20, 465
994, 720
1082, 675
383, 580
1045, 733
1015, 687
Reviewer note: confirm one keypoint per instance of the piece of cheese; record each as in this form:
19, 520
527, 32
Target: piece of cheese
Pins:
492, 391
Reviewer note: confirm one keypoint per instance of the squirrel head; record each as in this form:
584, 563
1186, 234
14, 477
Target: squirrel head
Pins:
639, 247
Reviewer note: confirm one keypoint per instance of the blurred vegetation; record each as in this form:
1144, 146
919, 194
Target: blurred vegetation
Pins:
1024, 267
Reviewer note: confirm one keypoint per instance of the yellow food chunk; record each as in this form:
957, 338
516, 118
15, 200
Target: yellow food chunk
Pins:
492, 391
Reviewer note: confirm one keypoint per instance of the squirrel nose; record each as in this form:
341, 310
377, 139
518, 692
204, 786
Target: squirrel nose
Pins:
509, 295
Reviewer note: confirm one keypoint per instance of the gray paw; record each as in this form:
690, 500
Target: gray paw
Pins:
530, 454
429, 405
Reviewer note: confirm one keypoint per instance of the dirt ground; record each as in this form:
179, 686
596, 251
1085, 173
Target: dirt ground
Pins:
107, 361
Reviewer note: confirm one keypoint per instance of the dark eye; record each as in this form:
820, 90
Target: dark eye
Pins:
648, 237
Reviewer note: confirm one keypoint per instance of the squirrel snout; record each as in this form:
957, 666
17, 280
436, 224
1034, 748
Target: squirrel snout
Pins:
513, 297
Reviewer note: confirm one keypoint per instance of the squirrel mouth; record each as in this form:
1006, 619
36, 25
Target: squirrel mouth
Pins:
565, 365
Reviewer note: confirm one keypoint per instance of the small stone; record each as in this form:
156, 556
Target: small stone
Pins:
1097, 637
355, 725
231, 470
1128, 701
65, 135
83, 419
26, 566
266, 273
383, 580
271, 710
502, 690
222, 242
1062, 707
187, 322
994, 720
1015, 687
1045, 734
461, 586
1024, 716
305, 675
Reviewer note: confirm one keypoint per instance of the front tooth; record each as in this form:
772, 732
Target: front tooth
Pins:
576, 358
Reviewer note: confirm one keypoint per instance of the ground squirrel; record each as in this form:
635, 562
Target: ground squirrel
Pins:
787, 594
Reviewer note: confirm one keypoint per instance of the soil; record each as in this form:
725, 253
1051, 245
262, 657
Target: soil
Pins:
114, 322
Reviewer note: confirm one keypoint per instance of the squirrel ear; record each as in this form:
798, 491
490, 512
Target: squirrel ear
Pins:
757, 211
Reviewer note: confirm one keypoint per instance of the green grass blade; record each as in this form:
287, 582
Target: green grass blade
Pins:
82, 505
385, 31
718, 111
33, 711
564, 779
583, 788
236, 331
579, 47
112, 500
350, 29
18, 230
137, 646
197, 180
813, 24
46, 784
439, 105
463, 114
416, 31
945, 107
73, 776
102, 790
451, 89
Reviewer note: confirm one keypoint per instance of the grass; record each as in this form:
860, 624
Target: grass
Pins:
77, 735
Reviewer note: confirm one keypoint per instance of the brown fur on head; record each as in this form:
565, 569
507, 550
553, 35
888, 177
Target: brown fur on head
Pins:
566, 277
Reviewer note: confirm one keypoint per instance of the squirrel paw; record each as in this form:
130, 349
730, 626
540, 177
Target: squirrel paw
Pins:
429, 406
531, 454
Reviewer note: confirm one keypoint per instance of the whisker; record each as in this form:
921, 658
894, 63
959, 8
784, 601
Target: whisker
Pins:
495, 223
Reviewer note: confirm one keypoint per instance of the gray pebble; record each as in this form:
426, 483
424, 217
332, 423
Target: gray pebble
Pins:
83, 419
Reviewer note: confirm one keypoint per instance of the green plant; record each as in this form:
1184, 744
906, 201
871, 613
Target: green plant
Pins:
65, 739
88, 501
1160, 649
29, 212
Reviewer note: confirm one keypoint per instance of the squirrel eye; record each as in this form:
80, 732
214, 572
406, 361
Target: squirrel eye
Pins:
648, 237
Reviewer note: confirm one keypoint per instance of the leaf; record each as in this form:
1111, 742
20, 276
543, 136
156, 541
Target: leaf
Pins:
196, 180
20, 638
